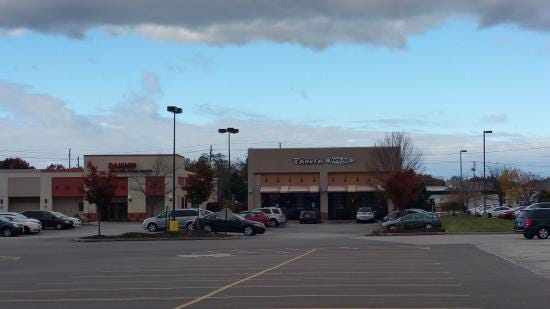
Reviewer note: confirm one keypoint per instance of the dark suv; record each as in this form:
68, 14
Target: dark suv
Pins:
531, 222
49, 219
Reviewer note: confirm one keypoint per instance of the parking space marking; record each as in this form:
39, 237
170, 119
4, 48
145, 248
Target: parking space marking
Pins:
120, 299
382, 295
216, 255
211, 294
351, 285
9, 258
110, 289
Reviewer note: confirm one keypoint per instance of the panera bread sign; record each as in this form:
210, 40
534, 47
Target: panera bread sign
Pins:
332, 161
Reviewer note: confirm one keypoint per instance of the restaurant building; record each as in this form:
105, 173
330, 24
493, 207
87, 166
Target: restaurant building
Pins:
335, 181
143, 188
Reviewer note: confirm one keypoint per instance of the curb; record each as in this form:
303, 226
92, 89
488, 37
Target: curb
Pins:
153, 239
440, 233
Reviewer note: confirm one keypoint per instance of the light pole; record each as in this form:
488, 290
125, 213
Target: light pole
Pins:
229, 131
461, 180
174, 224
484, 176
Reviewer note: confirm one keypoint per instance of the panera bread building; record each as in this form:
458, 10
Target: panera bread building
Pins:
143, 188
335, 181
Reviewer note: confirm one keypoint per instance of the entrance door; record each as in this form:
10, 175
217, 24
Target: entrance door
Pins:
117, 211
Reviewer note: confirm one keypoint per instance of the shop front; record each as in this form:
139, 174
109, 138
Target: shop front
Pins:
335, 181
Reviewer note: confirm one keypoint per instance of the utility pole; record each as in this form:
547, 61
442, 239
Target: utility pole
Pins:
280, 145
78, 161
474, 169
69, 158
210, 157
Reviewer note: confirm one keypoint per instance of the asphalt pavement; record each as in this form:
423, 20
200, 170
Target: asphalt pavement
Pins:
295, 266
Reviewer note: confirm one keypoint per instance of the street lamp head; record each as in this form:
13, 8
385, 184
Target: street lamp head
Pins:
487, 132
464, 150
222, 130
233, 130
174, 109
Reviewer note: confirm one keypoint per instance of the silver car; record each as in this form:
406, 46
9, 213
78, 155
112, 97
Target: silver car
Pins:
364, 214
29, 225
184, 217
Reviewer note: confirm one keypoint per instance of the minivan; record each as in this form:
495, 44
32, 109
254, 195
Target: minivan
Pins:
531, 222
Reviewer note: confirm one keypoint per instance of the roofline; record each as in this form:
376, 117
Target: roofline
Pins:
132, 155
309, 148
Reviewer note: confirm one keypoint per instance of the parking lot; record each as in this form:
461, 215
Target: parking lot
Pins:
295, 266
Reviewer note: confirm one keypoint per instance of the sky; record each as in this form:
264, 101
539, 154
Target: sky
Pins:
96, 77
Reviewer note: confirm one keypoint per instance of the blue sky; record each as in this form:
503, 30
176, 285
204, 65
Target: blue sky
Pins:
446, 85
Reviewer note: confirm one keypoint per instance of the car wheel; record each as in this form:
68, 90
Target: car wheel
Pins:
7, 232
248, 231
301, 222
58, 226
528, 236
207, 228
189, 226
392, 227
428, 226
26, 230
152, 227
542, 233
489, 215
357, 221
273, 222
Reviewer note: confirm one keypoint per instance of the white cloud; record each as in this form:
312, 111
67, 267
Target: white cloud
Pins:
41, 128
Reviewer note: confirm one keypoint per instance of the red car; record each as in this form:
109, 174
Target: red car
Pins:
255, 215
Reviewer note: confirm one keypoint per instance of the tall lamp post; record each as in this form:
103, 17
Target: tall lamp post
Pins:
461, 179
229, 131
174, 226
484, 176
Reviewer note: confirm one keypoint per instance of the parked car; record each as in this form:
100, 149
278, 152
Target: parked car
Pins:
29, 225
364, 214
531, 222
496, 211
512, 213
392, 215
545, 205
309, 216
275, 215
255, 215
414, 219
49, 219
185, 218
76, 221
9, 228
216, 222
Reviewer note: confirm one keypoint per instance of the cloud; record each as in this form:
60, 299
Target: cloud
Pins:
40, 128
312, 23
495, 118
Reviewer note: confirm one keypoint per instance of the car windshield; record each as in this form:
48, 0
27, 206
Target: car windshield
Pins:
365, 209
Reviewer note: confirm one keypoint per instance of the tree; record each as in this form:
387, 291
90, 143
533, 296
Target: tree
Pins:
200, 184
55, 167
430, 180
528, 184
403, 188
155, 184
396, 152
544, 196
99, 189
15, 163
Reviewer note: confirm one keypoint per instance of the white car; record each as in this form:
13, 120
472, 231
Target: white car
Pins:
364, 214
29, 225
479, 209
496, 211
275, 215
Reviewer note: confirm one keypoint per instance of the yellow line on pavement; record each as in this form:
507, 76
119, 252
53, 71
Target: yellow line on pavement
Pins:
199, 299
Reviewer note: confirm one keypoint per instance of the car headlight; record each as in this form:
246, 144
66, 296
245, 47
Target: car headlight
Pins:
67, 221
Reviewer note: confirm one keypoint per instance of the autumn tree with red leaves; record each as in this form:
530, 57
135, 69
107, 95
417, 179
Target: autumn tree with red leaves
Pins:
403, 188
200, 184
99, 189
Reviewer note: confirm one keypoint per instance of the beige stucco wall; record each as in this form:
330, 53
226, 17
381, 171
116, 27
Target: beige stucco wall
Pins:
273, 161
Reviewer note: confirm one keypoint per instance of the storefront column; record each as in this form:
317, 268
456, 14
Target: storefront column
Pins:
323, 182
